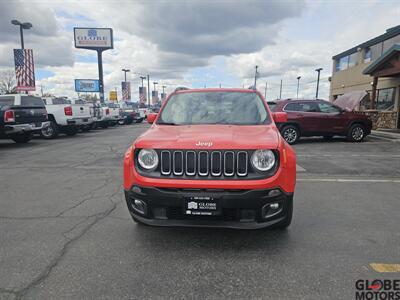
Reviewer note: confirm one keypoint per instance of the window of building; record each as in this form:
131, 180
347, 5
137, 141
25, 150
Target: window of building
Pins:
342, 63
376, 51
390, 42
353, 59
367, 55
385, 99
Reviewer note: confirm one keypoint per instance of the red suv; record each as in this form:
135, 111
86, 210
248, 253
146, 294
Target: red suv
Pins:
213, 158
319, 118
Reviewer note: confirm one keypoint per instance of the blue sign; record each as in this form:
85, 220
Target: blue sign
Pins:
87, 85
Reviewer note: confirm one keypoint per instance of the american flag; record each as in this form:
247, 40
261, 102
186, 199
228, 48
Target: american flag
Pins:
24, 69
142, 94
126, 90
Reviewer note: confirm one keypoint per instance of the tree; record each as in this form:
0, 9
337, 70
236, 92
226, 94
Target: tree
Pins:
7, 82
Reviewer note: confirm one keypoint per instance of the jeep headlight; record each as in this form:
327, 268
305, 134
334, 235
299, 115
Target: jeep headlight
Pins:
263, 160
148, 159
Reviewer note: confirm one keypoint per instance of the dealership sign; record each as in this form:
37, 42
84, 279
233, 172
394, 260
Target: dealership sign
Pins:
87, 85
93, 38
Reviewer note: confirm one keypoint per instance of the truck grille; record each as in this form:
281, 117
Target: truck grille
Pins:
204, 163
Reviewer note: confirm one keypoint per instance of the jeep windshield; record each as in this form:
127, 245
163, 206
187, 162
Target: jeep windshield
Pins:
235, 108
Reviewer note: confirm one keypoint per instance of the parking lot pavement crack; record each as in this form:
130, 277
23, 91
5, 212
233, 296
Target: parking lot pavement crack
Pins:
47, 271
87, 198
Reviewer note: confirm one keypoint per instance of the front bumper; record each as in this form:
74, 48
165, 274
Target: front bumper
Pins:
240, 209
21, 128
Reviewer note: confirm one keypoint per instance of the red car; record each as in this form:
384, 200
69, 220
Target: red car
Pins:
213, 158
319, 118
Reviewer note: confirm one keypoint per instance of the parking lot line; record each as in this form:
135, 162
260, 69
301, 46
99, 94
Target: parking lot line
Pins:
386, 268
300, 168
377, 180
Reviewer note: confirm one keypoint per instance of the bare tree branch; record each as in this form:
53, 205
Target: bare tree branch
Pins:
7, 81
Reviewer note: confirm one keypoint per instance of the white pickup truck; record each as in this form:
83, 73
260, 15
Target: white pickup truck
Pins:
115, 113
65, 117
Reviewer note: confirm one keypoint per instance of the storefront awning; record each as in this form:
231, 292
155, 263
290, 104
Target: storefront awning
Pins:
386, 65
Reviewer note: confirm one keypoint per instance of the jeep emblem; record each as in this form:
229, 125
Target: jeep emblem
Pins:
204, 144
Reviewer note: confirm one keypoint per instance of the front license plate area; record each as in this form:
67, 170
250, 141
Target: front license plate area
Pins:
201, 206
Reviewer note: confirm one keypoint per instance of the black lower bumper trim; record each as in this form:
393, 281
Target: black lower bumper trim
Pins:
239, 209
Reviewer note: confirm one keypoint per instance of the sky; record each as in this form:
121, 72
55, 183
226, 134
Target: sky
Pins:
194, 43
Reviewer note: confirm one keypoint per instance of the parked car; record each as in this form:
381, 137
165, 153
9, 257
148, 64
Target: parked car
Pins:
65, 117
20, 116
105, 117
130, 113
93, 110
219, 162
115, 113
320, 118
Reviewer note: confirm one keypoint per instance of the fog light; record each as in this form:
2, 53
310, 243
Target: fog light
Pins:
274, 193
271, 209
139, 206
136, 189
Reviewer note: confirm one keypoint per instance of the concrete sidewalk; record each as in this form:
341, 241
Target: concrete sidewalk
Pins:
391, 134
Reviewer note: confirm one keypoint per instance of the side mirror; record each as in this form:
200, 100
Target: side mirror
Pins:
279, 117
151, 118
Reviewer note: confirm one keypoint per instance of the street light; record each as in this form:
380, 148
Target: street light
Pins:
298, 84
125, 71
143, 78
22, 26
319, 71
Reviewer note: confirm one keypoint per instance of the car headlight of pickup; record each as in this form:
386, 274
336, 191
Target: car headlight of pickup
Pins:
263, 160
148, 159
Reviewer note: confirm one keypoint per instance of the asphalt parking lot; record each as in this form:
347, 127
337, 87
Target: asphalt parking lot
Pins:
65, 231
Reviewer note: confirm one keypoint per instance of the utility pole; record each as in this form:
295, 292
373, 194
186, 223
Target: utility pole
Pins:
125, 71
298, 85
148, 89
265, 93
154, 90
280, 91
319, 71
163, 92
255, 78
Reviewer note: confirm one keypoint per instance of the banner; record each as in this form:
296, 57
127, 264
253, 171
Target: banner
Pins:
24, 69
87, 85
126, 90
142, 94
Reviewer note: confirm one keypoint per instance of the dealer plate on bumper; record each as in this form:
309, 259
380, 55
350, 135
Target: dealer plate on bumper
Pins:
201, 206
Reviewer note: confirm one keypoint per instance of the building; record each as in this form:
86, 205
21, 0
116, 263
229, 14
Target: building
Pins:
374, 67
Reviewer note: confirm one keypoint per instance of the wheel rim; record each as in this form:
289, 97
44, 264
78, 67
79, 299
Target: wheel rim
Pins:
48, 131
290, 135
357, 133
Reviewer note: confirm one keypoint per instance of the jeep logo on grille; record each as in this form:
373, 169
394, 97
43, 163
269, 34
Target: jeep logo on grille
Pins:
204, 144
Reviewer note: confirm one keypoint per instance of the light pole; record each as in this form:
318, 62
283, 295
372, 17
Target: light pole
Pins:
265, 93
154, 91
163, 92
143, 78
319, 71
255, 78
22, 26
125, 71
148, 89
280, 91
298, 85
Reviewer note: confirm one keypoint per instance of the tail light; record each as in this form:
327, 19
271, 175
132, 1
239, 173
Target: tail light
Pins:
9, 116
107, 111
133, 114
68, 110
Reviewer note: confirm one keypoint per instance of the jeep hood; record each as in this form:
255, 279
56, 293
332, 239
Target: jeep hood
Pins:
209, 137
351, 100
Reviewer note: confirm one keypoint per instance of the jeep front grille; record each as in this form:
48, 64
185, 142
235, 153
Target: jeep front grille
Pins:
204, 163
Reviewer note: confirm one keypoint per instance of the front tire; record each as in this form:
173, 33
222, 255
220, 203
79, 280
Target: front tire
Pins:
104, 125
291, 134
50, 132
22, 138
356, 133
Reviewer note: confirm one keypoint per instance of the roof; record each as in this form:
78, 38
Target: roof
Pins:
391, 32
382, 59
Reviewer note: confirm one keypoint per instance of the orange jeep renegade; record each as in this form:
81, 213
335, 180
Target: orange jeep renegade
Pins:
212, 158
